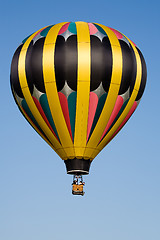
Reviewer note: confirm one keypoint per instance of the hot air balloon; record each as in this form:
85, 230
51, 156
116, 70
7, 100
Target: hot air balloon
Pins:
77, 84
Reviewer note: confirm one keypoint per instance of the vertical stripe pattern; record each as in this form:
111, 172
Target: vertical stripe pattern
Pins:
77, 84
83, 88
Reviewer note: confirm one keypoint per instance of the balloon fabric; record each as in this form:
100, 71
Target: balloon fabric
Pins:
77, 84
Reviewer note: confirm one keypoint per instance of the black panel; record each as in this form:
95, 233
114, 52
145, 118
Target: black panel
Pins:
59, 59
77, 166
66, 60
96, 62
144, 76
127, 67
134, 72
28, 67
14, 72
36, 64
108, 62
71, 61
101, 63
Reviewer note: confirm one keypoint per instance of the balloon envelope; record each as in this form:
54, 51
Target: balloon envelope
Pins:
77, 84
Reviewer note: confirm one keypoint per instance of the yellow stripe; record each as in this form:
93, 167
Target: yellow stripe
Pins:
128, 106
51, 90
112, 94
83, 88
33, 125
29, 99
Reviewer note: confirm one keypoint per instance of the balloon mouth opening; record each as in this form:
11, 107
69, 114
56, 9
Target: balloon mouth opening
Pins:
77, 166
77, 172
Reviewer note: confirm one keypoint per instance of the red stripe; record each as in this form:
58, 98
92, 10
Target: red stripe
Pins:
39, 32
65, 110
133, 43
92, 28
93, 101
30, 121
118, 34
117, 107
38, 105
64, 28
133, 108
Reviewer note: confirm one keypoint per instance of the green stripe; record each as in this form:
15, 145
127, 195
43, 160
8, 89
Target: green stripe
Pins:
118, 115
100, 29
72, 28
46, 30
24, 40
99, 109
30, 115
72, 110
45, 106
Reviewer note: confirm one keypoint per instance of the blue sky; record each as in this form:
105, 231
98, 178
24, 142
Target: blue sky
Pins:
122, 199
